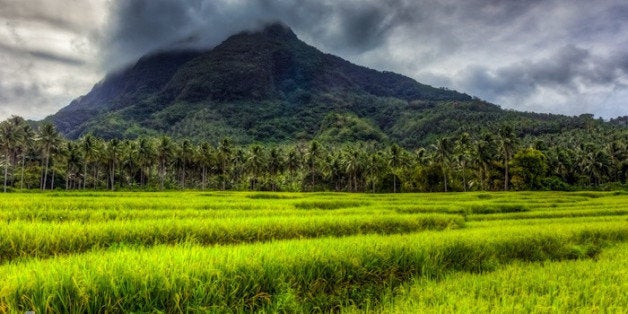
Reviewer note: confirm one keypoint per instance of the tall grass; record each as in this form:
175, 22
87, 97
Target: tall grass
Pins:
296, 276
20, 239
299, 252
581, 286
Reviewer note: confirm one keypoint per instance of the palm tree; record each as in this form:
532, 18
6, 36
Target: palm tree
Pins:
90, 150
483, 154
463, 155
254, 163
394, 161
224, 156
422, 158
186, 154
11, 135
49, 140
275, 165
146, 155
293, 161
203, 157
128, 161
375, 167
618, 154
73, 160
443, 152
165, 151
25, 148
353, 165
113, 150
595, 163
507, 142
312, 160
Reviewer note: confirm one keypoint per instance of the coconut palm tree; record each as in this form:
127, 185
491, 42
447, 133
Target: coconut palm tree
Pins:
443, 149
90, 150
203, 156
374, 169
462, 154
113, 151
507, 142
394, 161
224, 157
26, 147
185, 156
353, 166
312, 160
165, 152
49, 141
254, 163
10, 137
72, 156
146, 156
276, 165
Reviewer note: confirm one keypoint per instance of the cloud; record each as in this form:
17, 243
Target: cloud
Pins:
40, 54
500, 50
539, 55
571, 76
47, 54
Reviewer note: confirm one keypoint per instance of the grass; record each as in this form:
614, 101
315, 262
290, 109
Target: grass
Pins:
20, 239
321, 274
572, 286
313, 252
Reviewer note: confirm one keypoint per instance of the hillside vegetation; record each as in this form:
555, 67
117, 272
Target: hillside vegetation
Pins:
592, 158
270, 87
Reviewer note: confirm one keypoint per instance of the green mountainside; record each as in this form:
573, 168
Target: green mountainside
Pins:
269, 86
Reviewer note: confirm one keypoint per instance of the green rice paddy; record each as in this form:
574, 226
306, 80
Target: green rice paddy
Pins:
313, 252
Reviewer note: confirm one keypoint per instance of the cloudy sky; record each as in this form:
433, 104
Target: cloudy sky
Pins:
562, 56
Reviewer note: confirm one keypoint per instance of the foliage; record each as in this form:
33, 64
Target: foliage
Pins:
349, 155
237, 251
270, 87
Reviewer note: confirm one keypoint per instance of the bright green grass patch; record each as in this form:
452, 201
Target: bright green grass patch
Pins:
468, 209
293, 252
294, 276
552, 214
581, 286
43, 239
330, 204
273, 196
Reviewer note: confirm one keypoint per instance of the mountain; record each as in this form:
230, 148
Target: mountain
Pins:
269, 86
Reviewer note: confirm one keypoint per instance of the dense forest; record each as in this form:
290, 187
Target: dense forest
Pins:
593, 157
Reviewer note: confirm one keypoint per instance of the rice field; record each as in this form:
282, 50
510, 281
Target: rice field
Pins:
172, 252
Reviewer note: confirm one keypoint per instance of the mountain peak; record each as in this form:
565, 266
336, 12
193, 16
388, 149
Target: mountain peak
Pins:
278, 30
256, 85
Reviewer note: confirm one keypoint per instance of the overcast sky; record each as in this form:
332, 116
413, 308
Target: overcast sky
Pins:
568, 57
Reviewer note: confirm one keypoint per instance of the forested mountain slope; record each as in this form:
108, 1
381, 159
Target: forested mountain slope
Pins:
269, 86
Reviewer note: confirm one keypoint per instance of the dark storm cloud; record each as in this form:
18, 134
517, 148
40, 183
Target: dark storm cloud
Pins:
565, 70
349, 27
63, 14
11, 93
504, 51
494, 49
40, 54
20, 98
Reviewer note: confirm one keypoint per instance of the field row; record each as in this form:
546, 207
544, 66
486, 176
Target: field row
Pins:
296, 276
95, 207
575, 286
22, 239
313, 252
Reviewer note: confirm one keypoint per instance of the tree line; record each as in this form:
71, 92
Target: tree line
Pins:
42, 159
